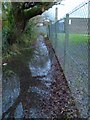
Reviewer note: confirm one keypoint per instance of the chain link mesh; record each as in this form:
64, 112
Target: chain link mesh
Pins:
72, 52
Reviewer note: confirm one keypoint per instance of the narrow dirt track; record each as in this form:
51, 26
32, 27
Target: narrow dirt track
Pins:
62, 104
44, 95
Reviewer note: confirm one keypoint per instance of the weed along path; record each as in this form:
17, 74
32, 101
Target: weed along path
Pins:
35, 86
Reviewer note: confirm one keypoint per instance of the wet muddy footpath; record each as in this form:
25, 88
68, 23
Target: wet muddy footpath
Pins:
36, 86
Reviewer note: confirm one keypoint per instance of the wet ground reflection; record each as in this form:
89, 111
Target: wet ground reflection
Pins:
25, 90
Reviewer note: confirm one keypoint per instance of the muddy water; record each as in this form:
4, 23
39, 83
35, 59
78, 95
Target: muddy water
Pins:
26, 83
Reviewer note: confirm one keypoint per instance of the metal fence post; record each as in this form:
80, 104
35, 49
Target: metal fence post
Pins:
88, 61
66, 38
48, 31
55, 35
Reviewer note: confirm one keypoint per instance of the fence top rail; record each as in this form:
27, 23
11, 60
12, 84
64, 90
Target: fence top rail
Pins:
78, 7
57, 21
74, 10
62, 19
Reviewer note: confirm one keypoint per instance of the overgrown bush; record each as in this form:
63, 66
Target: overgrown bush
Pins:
4, 39
9, 36
29, 37
7, 25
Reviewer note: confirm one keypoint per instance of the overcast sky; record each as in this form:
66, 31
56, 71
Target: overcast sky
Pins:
67, 6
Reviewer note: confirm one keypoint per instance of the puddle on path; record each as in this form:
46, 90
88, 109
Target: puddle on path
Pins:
23, 94
40, 64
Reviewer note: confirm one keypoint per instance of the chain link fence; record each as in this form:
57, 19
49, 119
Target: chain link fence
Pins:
69, 37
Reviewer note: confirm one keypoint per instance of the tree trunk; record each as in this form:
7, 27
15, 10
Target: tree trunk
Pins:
19, 17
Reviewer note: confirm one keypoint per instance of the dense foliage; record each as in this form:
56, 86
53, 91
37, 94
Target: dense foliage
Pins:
18, 26
8, 24
9, 32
